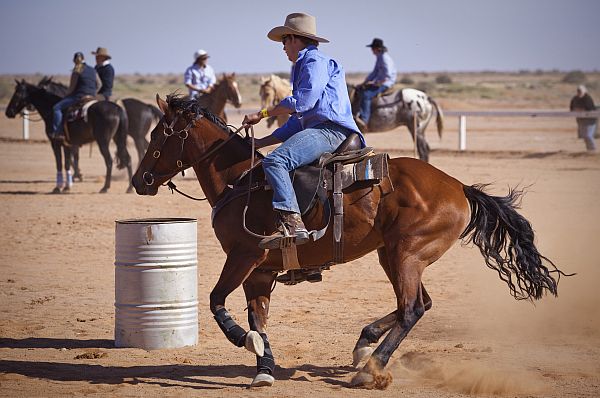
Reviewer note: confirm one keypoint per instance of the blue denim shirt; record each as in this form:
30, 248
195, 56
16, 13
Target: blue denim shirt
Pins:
201, 78
319, 94
384, 70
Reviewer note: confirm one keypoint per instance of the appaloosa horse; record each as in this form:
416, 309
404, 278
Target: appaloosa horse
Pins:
106, 121
411, 226
272, 90
406, 107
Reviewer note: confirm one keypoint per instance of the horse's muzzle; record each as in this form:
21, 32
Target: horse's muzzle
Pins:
144, 185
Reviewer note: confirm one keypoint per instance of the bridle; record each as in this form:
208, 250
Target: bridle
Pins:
149, 177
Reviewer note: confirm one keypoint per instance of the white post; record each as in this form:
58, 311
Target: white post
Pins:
462, 133
25, 124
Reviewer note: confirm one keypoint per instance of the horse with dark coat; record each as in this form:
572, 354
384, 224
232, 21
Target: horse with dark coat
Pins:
105, 121
140, 116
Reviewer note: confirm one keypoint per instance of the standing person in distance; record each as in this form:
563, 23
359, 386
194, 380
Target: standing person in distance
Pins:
586, 126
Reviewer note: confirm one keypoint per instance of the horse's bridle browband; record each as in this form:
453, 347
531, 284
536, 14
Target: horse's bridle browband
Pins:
149, 178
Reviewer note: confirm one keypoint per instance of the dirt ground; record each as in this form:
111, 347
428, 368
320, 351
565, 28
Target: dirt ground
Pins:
57, 286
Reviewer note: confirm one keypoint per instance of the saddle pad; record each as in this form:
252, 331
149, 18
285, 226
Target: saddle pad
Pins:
80, 112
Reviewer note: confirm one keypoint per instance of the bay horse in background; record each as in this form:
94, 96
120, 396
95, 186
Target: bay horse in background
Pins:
272, 90
401, 108
410, 225
106, 121
141, 116
225, 90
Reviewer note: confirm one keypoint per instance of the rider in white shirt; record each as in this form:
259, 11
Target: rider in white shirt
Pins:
200, 77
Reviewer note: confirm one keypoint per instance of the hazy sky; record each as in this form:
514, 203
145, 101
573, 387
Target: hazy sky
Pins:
152, 36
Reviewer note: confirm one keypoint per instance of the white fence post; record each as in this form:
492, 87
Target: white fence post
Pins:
462, 133
25, 124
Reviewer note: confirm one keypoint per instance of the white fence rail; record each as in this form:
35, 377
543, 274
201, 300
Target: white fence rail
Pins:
462, 118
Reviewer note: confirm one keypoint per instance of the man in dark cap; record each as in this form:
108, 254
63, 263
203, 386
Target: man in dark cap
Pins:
379, 80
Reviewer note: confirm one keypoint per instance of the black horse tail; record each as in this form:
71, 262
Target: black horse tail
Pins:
123, 158
439, 119
506, 241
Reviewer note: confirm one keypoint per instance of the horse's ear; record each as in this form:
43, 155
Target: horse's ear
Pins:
263, 79
233, 74
162, 105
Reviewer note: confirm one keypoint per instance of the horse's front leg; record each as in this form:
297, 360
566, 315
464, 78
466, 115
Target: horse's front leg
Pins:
239, 264
57, 149
258, 295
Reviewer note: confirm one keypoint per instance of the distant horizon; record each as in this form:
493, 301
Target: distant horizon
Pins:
518, 71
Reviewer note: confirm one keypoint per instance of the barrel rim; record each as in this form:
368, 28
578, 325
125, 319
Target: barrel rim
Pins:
158, 220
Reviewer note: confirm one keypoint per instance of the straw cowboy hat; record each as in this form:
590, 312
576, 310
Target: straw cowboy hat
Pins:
102, 52
297, 24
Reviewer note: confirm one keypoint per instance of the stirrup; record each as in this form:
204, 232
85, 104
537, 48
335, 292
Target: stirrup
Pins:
293, 277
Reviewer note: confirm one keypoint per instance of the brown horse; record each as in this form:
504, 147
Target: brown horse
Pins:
272, 90
225, 90
410, 227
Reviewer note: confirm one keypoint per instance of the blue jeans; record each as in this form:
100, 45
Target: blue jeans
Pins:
57, 111
368, 93
300, 149
587, 131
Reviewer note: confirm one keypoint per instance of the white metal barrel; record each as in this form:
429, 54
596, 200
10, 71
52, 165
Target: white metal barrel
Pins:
156, 289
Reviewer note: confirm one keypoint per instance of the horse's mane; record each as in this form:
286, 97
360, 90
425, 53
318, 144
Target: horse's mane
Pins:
53, 87
191, 107
183, 104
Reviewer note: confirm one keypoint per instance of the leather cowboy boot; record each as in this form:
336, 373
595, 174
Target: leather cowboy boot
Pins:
290, 227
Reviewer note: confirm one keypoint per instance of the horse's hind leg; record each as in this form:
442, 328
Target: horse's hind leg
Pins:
374, 331
405, 269
76, 170
108, 161
258, 295
418, 135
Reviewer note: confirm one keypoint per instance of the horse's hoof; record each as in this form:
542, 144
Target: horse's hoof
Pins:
360, 355
254, 343
380, 380
78, 177
129, 190
263, 380
56, 190
66, 190
362, 379
103, 190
